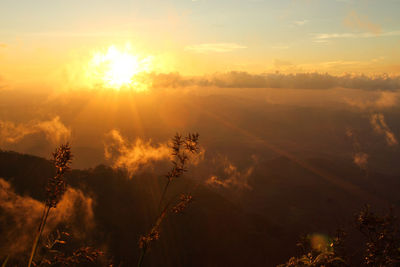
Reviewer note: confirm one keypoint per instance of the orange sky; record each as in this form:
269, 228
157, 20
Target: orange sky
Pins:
49, 44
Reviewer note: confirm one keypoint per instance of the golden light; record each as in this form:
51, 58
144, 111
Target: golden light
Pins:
117, 69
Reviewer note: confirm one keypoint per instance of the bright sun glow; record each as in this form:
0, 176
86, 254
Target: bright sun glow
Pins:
117, 69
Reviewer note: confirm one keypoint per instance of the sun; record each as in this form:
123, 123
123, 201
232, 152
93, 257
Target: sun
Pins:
116, 68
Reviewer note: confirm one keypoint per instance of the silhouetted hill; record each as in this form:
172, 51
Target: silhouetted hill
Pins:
213, 231
27, 173
255, 228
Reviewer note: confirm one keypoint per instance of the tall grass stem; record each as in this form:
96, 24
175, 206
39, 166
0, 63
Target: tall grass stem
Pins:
39, 233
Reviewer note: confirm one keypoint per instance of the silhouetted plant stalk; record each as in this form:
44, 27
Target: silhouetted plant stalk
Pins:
382, 233
154, 234
77, 257
55, 189
5, 261
181, 148
381, 247
329, 253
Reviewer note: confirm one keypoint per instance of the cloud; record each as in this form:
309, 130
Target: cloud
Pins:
280, 47
360, 22
379, 125
387, 99
237, 79
79, 34
20, 216
382, 100
54, 130
300, 22
214, 47
13, 133
361, 160
322, 37
231, 177
281, 63
133, 156
3, 45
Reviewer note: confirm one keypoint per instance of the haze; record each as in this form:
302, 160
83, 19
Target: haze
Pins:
296, 103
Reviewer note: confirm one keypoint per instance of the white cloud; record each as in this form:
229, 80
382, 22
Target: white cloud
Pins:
214, 47
356, 21
136, 155
327, 36
231, 178
381, 100
54, 130
361, 160
280, 47
20, 215
132, 156
300, 22
379, 124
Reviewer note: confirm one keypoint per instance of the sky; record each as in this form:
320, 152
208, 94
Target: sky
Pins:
40, 41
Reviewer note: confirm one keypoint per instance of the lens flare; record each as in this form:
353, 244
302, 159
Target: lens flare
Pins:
118, 69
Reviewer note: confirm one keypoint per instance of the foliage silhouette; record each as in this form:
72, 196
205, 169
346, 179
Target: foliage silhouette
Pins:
180, 147
56, 187
382, 244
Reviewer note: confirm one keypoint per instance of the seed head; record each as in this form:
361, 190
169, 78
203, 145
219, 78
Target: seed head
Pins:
56, 185
144, 241
183, 203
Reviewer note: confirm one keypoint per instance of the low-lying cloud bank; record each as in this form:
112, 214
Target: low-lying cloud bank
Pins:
360, 158
54, 130
379, 125
132, 156
20, 217
137, 155
230, 177
237, 79
383, 100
